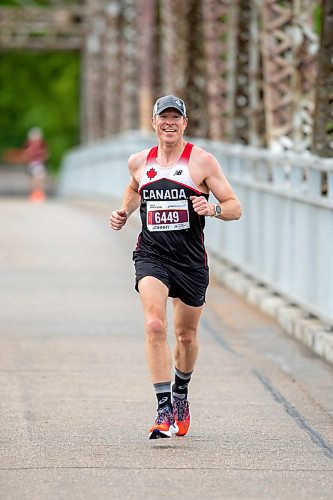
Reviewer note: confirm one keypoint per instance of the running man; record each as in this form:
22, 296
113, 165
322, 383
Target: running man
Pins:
171, 183
35, 154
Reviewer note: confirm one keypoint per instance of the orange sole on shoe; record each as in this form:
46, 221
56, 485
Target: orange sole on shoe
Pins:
183, 427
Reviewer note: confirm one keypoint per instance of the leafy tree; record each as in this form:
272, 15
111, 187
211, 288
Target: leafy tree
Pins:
40, 89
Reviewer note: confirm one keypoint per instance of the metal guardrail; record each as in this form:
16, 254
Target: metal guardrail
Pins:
285, 237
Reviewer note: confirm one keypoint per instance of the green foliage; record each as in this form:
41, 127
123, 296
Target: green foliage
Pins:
40, 90
318, 18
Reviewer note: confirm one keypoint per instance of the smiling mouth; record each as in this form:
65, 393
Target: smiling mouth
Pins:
169, 130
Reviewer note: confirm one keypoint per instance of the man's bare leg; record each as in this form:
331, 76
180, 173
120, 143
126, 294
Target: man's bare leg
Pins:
186, 320
154, 296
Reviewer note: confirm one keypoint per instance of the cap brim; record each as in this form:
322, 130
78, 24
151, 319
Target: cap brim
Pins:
169, 107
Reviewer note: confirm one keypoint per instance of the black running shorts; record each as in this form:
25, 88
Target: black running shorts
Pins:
188, 285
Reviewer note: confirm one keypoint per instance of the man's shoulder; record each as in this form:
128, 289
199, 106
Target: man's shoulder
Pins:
137, 160
201, 155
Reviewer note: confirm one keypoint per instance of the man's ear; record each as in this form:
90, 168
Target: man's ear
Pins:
153, 122
186, 121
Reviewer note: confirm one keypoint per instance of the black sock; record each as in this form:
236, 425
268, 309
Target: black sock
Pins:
163, 394
180, 387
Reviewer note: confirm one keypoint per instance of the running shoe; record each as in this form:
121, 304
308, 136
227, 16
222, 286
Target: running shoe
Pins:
182, 415
164, 425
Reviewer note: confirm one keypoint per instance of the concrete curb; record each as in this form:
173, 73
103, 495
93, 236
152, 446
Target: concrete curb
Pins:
294, 320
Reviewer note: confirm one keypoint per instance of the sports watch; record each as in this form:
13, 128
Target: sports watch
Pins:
217, 210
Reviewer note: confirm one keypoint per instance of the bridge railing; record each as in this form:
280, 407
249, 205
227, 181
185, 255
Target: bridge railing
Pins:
284, 239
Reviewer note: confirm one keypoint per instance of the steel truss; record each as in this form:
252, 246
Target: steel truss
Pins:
36, 28
249, 70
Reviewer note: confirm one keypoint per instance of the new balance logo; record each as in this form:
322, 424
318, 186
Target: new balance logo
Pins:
178, 172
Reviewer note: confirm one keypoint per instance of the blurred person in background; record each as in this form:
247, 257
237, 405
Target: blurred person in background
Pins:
34, 155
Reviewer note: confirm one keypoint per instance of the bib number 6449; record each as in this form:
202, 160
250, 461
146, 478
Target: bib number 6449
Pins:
165, 216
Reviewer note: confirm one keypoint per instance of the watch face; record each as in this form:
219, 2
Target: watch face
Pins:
218, 209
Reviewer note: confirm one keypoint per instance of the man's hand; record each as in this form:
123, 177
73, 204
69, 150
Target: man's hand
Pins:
201, 206
118, 219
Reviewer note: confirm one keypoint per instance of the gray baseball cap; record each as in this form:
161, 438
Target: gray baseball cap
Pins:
169, 101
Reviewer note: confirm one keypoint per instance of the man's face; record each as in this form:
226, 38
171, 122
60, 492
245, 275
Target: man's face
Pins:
169, 125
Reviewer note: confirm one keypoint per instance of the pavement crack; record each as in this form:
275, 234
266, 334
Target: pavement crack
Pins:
315, 437
218, 338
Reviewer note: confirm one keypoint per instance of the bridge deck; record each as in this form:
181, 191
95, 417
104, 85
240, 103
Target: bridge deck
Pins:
76, 397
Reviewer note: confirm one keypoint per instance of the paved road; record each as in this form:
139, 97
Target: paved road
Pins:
76, 400
14, 181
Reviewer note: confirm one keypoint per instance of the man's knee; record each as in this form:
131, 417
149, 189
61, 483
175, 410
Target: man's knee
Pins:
186, 336
155, 330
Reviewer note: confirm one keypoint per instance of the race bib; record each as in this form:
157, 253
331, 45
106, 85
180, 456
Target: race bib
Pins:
167, 215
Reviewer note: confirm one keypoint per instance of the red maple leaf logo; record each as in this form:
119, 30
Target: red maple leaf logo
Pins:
151, 173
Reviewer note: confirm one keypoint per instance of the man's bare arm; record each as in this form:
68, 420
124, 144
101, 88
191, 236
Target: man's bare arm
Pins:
217, 183
131, 201
131, 197
223, 192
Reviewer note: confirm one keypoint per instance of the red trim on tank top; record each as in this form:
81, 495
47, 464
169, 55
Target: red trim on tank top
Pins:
152, 155
187, 152
138, 242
